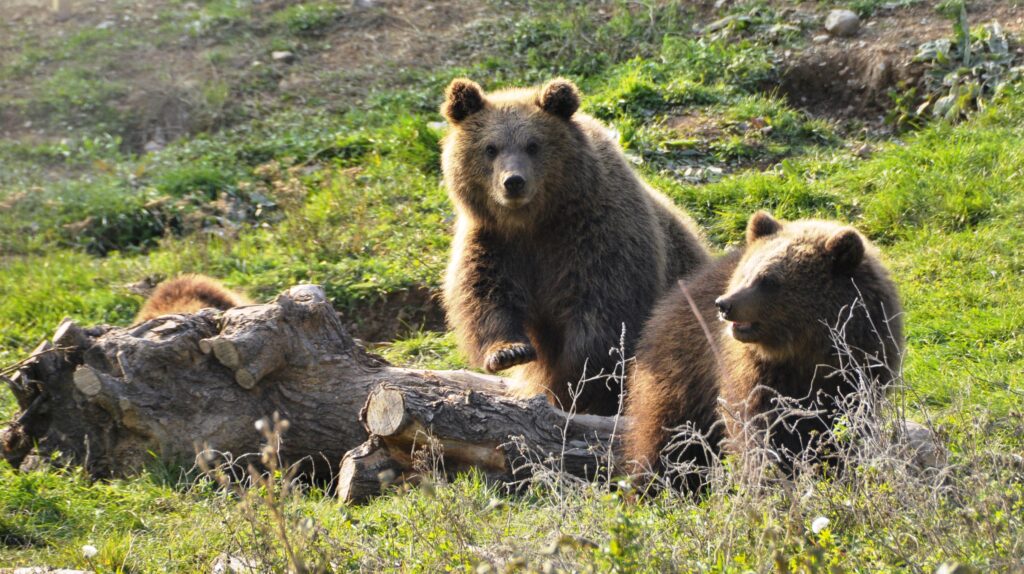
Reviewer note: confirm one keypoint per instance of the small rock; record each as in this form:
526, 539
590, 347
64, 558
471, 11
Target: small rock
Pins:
228, 564
153, 146
864, 152
363, 3
954, 568
722, 23
780, 29
282, 56
842, 23
105, 25
821, 39
924, 447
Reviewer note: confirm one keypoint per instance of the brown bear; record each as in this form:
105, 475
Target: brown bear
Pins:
188, 294
763, 337
559, 244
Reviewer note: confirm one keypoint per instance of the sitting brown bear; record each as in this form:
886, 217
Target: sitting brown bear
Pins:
558, 242
767, 310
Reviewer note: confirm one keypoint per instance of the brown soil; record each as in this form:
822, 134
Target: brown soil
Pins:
369, 46
395, 314
852, 77
373, 46
695, 125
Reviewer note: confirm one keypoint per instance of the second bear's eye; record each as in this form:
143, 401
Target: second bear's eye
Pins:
491, 151
768, 283
531, 148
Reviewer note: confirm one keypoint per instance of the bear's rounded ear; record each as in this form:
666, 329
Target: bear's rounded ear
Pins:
463, 98
846, 249
761, 224
560, 97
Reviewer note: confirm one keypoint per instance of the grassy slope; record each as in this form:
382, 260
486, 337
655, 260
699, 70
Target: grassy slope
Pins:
352, 200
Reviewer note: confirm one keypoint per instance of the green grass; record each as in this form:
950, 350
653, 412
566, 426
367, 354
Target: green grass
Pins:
141, 525
309, 19
348, 195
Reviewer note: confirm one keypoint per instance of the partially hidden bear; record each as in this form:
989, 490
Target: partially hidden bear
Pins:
187, 294
772, 314
558, 242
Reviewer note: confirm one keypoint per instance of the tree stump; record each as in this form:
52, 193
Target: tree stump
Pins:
114, 400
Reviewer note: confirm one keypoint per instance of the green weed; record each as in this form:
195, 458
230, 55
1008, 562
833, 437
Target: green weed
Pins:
309, 19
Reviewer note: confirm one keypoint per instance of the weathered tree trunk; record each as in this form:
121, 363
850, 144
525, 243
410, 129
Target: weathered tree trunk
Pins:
113, 399
462, 427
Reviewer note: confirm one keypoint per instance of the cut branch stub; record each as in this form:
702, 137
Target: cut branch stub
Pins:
367, 470
69, 337
258, 340
385, 412
87, 381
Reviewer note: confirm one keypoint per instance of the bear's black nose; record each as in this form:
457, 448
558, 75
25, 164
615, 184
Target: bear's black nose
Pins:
724, 306
514, 185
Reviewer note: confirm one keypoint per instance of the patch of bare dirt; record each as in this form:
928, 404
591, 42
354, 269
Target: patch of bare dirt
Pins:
170, 76
695, 125
374, 45
852, 77
395, 314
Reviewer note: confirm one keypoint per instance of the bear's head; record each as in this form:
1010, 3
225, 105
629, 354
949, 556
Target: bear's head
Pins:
792, 281
504, 151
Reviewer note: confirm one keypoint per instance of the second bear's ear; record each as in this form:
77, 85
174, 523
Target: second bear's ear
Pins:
463, 98
559, 97
761, 224
846, 249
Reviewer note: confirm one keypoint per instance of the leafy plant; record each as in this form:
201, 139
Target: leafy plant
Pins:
310, 19
963, 73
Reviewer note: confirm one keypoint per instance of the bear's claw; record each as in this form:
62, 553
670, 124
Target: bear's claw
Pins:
510, 356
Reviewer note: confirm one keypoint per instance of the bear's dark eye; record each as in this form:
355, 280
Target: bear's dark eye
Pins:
532, 148
491, 151
768, 283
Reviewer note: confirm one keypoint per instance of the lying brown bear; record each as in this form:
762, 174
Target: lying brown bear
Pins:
189, 293
768, 310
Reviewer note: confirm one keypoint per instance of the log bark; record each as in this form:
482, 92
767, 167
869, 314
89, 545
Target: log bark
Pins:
502, 436
115, 400
367, 470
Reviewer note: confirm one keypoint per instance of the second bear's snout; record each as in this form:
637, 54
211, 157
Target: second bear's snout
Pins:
724, 306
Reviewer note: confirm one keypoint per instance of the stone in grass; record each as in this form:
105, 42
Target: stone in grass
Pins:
923, 447
282, 56
228, 564
842, 23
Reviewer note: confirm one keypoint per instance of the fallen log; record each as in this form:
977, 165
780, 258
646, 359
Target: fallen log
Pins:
115, 400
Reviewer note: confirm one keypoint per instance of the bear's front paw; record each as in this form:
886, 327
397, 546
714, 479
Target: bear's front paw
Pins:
509, 356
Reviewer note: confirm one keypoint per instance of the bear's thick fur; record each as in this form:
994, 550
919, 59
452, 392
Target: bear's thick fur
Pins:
188, 294
768, 309
558, 242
